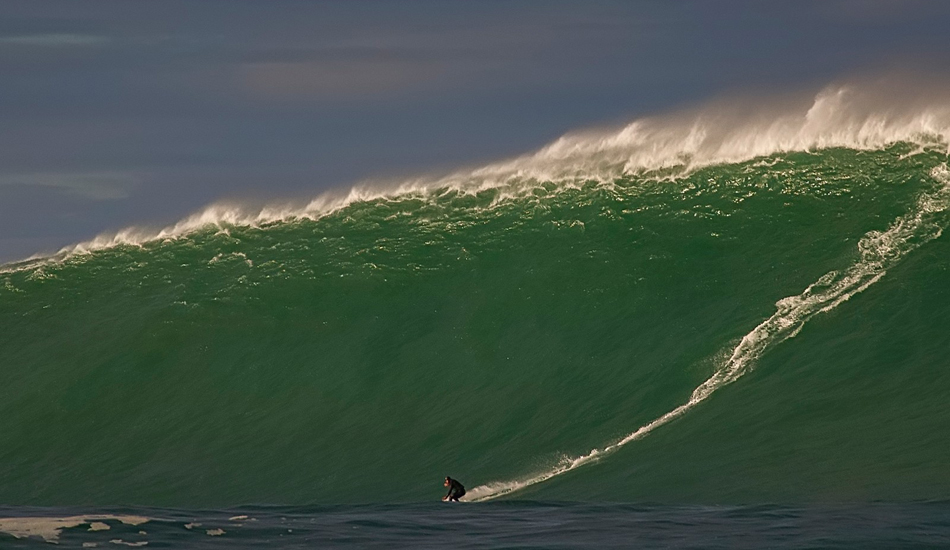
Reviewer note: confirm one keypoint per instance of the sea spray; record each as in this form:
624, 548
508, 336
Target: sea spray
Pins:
856, 116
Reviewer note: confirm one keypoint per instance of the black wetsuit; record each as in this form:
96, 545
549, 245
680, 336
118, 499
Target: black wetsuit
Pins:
456, 491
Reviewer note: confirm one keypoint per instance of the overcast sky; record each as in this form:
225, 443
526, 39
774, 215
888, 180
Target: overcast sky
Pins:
114, 113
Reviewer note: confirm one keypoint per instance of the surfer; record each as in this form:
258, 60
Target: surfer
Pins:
456, 491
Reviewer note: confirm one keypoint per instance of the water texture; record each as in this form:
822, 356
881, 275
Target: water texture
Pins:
523, 524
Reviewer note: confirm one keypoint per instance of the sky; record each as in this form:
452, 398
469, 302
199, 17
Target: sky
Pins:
119, 113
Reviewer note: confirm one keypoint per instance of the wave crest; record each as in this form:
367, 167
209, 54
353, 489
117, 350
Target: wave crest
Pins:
849, 116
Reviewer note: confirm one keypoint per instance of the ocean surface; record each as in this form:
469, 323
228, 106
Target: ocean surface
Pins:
503, 524
683, 334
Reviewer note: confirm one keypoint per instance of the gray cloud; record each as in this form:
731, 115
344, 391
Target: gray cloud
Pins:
878, 11
375, 62
338, 78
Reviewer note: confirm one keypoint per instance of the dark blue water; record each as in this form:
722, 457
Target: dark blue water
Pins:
499, 525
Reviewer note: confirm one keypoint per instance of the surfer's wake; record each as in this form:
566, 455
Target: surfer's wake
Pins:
877, 252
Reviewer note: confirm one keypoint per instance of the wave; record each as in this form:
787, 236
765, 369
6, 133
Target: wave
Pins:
877, 252
847, 116
452, 331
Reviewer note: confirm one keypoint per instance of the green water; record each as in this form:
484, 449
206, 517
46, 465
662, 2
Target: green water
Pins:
363, 356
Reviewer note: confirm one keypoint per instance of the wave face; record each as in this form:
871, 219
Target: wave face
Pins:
770, 328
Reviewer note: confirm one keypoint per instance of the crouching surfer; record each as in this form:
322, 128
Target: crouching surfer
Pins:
456, 491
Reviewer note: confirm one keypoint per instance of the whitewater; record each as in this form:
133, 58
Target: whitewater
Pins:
661, 147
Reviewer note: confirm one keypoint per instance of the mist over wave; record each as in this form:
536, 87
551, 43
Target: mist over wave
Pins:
859, 115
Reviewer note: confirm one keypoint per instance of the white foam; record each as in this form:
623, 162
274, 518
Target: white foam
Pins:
859, 117
49, 528
877, 251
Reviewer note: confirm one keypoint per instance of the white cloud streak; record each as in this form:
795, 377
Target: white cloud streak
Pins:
98, 186
55, 40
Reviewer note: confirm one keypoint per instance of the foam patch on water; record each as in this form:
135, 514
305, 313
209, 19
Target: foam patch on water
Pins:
49, 528
856, 117
877, 252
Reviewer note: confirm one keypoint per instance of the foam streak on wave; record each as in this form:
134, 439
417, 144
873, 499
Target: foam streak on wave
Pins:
878, 251
839, 116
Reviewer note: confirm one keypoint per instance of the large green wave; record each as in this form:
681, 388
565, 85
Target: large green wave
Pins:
499, 337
